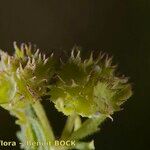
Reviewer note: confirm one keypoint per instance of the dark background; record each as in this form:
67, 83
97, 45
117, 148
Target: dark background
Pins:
119, 27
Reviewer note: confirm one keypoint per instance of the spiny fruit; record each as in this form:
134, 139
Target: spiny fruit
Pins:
89, 87
25, 75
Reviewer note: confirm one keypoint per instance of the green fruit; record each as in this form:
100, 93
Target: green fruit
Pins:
89, 87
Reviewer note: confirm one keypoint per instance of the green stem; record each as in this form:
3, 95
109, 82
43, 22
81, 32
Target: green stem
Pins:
89, 127
69, 127
40, 113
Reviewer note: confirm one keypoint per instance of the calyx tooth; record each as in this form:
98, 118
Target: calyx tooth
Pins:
29, 61
44, 57
33, 60
78, 55
73, 83
20, 67
40, 57
46, 60
72, 54
8, 60
36, 53
52, 54
110, 118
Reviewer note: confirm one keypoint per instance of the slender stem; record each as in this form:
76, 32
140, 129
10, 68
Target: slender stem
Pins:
69, 126
89, 127
38, 108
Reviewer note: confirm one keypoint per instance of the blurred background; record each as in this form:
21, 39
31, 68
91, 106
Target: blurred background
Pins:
118, 27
